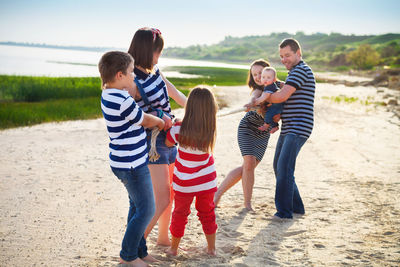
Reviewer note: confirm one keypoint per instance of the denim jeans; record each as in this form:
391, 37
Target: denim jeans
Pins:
167, 154
273, 110
287, 196
141, 210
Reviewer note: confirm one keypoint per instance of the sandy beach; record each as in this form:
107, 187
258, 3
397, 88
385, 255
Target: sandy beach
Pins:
61, 205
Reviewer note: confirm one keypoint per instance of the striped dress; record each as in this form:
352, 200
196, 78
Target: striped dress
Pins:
252, 142
194, 171
128, 148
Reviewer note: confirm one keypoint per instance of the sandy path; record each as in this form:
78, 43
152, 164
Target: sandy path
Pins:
61, 206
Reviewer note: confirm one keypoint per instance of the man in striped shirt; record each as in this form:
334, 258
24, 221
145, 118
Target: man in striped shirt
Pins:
297, 123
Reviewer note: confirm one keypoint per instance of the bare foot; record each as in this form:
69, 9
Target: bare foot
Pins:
210, 251
171, 251
150, 259
163, 243
217, 198
273, 130
248, 206
136, 263
264, 127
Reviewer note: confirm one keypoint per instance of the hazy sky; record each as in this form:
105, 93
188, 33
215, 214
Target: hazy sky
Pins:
183, 23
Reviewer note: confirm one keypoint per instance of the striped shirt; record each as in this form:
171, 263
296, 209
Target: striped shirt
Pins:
298, 111
128, 147
155, 90
194, 171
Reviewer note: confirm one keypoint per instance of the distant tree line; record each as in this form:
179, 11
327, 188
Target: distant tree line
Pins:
333, 50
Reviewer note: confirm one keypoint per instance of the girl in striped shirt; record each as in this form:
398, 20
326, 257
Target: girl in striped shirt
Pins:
194, 173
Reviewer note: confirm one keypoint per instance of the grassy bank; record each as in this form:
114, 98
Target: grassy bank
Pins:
27, 100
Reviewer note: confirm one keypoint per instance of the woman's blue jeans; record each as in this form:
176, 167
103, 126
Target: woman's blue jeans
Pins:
141, 210
287, 196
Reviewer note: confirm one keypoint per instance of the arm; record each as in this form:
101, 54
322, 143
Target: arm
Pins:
282, 95
254, 95
174, 93
264, 96
150, 121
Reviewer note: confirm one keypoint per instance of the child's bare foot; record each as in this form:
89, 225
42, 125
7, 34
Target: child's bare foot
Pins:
150, 259
264, 127
164, 243
248, 206
273, 130
210, 251
172, 252
136, 263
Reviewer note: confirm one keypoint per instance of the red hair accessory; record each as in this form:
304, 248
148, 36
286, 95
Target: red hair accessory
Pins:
154, 31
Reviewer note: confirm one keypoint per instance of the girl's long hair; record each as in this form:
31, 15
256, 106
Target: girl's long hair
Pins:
198, 128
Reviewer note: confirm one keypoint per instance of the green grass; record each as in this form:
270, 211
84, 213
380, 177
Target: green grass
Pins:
345, 99
34, 89
213, 75
14, 114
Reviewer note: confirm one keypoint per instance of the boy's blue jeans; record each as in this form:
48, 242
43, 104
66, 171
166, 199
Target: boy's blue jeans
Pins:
273, 110
141, 210
287, 196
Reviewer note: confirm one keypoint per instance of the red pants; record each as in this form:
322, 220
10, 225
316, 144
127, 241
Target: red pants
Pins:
205, 211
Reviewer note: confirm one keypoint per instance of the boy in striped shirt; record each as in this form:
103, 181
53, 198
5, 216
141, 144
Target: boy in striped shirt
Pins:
128, 150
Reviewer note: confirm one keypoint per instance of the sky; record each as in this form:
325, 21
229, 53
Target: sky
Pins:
103, 23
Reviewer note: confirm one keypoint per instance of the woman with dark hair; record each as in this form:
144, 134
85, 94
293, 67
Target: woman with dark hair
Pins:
252, 141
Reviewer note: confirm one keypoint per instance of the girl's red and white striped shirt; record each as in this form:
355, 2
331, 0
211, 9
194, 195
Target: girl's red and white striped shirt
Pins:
194, 171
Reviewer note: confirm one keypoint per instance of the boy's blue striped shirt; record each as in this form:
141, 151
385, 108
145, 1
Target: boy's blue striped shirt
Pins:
128, 146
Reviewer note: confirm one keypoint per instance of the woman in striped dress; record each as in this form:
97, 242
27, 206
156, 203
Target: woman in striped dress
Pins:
252, 142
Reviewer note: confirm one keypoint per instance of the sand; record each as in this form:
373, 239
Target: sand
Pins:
61, 205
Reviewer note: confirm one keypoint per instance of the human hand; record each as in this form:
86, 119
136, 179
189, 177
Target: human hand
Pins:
168, 122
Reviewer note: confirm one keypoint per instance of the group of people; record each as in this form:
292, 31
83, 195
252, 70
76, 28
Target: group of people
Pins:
135, 99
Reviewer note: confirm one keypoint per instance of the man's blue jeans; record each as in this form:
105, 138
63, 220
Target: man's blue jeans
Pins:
141, 210
287, 196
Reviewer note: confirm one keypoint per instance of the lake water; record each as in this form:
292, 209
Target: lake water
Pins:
35, 61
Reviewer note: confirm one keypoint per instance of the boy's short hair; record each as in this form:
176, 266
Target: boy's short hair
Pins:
293, 43
113, 62
143, 46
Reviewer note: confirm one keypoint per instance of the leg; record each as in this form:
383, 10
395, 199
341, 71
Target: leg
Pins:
173, 250
230, 180
249, 165
179, 221
162, 191
206, 212
286, 192
165, 218
141, 200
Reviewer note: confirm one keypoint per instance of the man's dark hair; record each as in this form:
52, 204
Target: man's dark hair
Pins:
293, 43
